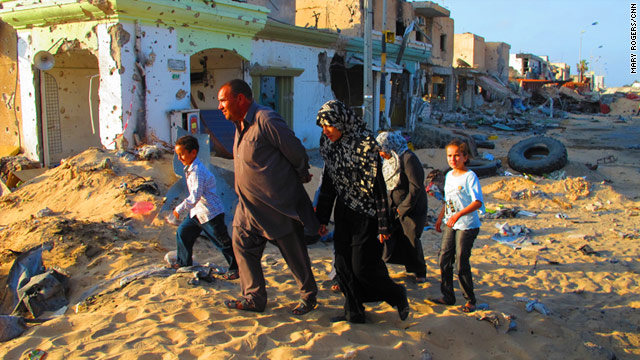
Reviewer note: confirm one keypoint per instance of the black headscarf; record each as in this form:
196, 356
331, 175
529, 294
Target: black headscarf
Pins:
351, 161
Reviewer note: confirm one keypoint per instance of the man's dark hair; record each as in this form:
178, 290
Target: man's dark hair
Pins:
239, 86
189, 143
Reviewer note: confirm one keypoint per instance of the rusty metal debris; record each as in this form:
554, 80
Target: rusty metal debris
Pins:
607, 160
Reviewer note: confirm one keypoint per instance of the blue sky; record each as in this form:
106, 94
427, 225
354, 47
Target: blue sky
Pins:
548, 27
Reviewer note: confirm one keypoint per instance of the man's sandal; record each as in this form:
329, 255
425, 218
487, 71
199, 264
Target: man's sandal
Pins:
440, 301
468, 308
303, 308
230, 275
241, 304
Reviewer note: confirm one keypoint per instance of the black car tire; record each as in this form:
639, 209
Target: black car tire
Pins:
537, 155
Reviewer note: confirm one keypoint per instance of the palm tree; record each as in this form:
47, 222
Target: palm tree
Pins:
583, 67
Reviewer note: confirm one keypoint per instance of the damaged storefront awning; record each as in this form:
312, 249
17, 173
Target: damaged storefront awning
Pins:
356, 59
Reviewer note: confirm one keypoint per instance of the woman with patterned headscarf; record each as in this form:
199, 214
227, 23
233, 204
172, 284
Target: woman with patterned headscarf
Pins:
404, 177
353, 186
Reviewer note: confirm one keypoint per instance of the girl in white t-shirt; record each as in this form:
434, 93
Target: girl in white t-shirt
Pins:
459, 215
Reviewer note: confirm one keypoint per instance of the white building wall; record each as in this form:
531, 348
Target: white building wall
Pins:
27, 95
308, 91
113, 113
166, 90
516, 63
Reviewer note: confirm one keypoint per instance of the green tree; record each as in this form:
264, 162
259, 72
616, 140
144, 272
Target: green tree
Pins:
583, 67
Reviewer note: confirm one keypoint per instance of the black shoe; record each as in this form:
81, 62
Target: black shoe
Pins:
403, 306
351, 319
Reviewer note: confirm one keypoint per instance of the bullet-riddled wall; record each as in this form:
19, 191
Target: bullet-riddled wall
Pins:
497, 59
311, 88
9, 88
142, 51
440, 29
469, 48
343, 16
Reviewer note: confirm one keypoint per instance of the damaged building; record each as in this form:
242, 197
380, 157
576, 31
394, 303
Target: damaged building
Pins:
108, 74
103, 74
481, 70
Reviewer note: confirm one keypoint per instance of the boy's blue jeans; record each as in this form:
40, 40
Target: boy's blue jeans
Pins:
214, 229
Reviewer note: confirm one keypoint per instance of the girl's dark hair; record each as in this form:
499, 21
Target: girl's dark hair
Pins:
189, 143
463, 146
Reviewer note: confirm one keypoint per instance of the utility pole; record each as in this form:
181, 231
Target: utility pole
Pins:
367, 101
383, 72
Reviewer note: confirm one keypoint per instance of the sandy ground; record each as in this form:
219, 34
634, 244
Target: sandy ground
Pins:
593, 298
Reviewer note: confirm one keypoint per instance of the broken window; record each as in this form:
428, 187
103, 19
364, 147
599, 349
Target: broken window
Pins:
443, 42
400, 28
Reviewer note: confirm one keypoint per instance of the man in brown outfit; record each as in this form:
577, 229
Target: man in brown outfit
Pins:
270, 165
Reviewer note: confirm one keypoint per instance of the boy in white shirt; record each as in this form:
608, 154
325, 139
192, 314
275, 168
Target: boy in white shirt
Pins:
202, 209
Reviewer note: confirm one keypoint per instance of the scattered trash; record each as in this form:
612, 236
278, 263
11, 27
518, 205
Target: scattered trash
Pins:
482, 306
558, 175
511, 319
539, 307
44, 212
508, 213
503, 127
155, 271
126, 155
587, 250
607, 160
43, 292
537, 155
148, 186
142, 207
148, 152
490, 317
488, 157
528, 194
562, 216
26, 265
106, 164
614, 260
36, 354
591, 166
522, 213
513, 236
199, 273
11, 327
594, 207
534, 305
